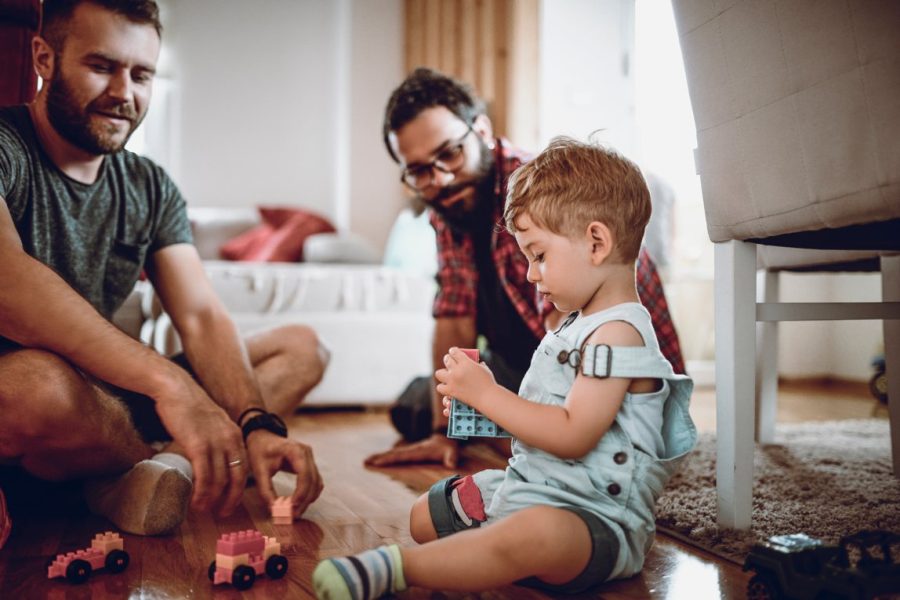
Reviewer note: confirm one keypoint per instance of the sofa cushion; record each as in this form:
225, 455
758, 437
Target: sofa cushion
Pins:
279, 238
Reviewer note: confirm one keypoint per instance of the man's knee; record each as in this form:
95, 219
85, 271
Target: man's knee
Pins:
38, 389
302, 340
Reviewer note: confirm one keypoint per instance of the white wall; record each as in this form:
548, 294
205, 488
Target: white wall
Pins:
841, 349
586, 79
280, 102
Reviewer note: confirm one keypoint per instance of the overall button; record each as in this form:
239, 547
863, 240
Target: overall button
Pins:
562, 357
614, 489
620, 458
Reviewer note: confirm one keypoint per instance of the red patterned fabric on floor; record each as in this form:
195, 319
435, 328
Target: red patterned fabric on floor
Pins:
5, 521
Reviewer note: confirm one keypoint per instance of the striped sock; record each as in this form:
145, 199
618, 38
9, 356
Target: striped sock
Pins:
370, 574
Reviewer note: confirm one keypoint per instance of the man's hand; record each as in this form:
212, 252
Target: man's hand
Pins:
436, 449
210, 440
270, 453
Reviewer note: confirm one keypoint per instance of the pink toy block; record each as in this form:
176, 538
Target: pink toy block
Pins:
282, 511
107, 541
240, 542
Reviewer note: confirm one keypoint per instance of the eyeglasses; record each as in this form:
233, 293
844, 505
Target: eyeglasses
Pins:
448, 160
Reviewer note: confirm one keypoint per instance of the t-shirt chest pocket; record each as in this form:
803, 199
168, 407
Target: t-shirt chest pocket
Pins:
126, 259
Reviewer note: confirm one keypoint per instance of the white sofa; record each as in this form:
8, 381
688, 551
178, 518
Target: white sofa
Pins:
375, 319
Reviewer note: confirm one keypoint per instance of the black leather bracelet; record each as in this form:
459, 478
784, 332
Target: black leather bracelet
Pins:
268, 421
248, 411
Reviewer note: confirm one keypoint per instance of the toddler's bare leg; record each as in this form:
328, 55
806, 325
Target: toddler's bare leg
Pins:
421, 526
549, 543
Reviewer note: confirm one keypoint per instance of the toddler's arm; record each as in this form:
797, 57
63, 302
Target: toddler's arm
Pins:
568, 431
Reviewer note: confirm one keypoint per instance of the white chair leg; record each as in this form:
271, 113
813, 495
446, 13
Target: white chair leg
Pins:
767, 364
735, 319
890, 292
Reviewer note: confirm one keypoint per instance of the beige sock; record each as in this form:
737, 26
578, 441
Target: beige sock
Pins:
150, 499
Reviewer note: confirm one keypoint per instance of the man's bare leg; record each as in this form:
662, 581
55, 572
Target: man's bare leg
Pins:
42, 396
58, 425
288, 361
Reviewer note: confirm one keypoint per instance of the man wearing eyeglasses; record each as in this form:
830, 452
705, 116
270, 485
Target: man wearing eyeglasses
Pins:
436, 129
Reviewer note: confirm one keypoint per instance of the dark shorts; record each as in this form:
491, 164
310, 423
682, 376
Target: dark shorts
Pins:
411, 413
143, 408
603, 554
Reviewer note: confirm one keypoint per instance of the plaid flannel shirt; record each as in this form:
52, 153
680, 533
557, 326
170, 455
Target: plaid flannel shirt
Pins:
457, 275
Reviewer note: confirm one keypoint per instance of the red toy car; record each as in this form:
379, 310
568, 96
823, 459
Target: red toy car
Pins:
243, 555
107, 550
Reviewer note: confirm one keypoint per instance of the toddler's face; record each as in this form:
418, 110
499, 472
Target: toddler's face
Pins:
560, 266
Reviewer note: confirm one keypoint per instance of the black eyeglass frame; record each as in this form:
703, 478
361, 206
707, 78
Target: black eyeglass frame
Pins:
456, 147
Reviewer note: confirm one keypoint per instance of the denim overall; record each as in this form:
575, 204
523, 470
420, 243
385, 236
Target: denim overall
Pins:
622, 477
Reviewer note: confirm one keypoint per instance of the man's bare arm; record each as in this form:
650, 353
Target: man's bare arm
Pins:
38, 309
210, 339
219, 358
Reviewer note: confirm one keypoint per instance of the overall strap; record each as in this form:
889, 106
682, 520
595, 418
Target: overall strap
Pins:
602, 361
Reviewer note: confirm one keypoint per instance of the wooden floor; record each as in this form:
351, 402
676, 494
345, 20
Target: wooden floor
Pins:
362, 508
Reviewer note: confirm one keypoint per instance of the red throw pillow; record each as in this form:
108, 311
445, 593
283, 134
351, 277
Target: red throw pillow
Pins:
279, 238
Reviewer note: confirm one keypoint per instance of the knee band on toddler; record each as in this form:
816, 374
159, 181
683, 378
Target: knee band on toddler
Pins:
455, 504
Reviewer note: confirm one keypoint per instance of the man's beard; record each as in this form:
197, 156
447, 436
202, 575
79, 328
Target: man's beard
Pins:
75, 125
465, 218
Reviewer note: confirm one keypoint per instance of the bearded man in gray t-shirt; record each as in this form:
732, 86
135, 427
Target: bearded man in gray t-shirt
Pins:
80, 219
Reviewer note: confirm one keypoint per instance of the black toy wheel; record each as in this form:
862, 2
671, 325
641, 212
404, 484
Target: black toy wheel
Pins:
78, 571
878, 386
117, 561
276, 566
762, 587
211, 571
242, 577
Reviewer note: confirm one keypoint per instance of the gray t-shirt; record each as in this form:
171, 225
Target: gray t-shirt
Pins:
97, 236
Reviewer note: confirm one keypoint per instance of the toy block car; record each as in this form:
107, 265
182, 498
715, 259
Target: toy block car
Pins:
107, 550
242, 555
465, 421
861, 566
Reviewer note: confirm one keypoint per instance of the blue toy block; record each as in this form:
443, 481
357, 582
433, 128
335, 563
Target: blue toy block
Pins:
465, 421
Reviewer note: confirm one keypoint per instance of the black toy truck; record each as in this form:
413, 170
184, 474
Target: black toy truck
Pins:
863, 566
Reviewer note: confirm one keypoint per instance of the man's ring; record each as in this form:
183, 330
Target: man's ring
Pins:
235, 463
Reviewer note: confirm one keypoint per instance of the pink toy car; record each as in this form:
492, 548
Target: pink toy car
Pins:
243, 555
107, 550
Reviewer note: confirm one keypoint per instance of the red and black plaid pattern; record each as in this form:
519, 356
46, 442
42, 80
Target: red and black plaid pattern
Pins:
457, 274
650, 290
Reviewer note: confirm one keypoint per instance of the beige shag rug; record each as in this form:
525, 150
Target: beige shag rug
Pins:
825, 479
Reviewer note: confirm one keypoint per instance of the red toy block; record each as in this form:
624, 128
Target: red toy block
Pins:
471, 353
